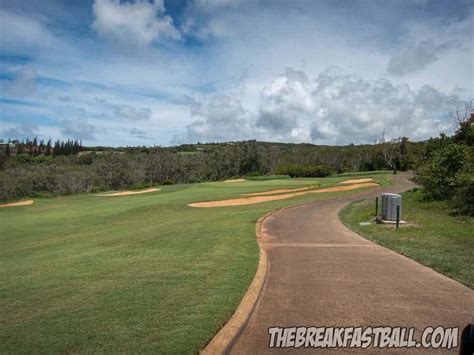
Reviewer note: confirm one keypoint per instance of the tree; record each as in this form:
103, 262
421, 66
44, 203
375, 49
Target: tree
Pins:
464, 119
463, 200
441, 163
48, 148
390, 152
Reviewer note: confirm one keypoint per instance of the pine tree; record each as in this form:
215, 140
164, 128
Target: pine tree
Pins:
57, 148
48, 147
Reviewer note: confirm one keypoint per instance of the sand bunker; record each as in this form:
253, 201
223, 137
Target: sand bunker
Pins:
279, 191
235, 180
21, 203
344, 188
356, 181
258, 199
127, 193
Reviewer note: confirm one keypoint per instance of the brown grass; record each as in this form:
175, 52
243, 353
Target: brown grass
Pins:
13, 204
127, 193
259, 199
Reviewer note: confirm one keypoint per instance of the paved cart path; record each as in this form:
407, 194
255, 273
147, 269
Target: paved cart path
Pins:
321, 273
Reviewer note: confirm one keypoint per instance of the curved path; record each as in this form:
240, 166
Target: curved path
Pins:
322, 274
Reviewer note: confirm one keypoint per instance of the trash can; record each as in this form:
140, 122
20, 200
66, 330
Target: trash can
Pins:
389, 206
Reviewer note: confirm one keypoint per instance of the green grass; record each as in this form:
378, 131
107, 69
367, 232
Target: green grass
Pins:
138, 274
432, 237
268, 177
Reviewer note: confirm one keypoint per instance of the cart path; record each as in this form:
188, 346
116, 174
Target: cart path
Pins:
322, 274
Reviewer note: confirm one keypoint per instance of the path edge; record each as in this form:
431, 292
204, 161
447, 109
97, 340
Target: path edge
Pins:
225, 337
223, 340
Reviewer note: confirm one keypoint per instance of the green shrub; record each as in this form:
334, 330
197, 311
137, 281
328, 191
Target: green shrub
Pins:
252, 174
168, 182
141, 185
305, 170
463, 201
441, 163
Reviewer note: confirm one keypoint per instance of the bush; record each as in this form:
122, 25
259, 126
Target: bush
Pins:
168, 182
463, 201
252, 174
442, 161
141, 185
305, 170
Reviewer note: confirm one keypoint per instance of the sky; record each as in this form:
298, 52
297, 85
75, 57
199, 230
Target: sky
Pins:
128, 73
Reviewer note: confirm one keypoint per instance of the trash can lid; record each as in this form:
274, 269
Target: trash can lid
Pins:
390, 195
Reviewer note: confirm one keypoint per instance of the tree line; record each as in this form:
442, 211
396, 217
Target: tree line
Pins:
37, 147
63, 171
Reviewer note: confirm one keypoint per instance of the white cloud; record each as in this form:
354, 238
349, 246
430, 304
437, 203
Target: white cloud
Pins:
333, 108
219, 118
133, 113
417, 57
138, 24
285, 100
78, 129
223, 40
22, 131
24, 83
139, 133
23, 34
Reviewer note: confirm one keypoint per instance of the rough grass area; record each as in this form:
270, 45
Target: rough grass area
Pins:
432, 237
132, 274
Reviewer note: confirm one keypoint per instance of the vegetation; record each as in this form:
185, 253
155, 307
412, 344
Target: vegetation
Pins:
135, 274
36, 147
268, 177
432, 237
99, 168
294, 170
446, 167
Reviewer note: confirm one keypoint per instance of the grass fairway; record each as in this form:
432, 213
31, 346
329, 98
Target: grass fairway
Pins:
433, 238
142, 273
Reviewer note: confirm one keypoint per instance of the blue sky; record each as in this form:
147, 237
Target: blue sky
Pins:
119, 73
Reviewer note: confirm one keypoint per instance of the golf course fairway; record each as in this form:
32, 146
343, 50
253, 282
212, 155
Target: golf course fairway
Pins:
142, 273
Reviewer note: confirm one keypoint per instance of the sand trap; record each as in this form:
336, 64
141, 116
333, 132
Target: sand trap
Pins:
244, 200
356, 181
279, 191
258, 199
127, 193
21, 203
235, 180
344, 188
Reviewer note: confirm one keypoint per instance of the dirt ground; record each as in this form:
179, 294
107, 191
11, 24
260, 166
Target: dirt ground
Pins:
356, 181
13, 204
258, 199
127, 193
235, 180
